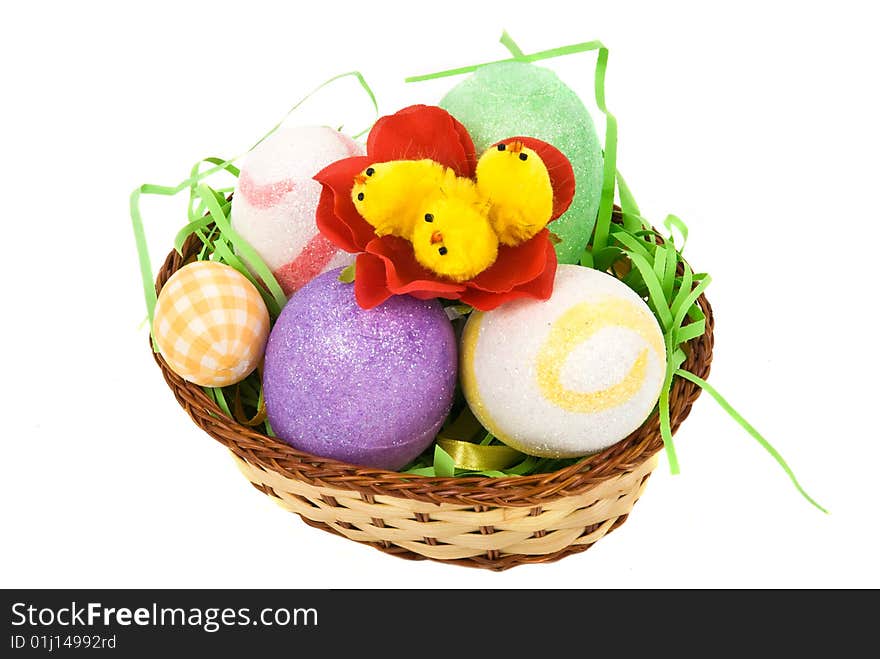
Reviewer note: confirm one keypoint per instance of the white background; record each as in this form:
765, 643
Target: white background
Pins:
756, 124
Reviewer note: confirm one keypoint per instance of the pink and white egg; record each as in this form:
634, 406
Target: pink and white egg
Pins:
274, 204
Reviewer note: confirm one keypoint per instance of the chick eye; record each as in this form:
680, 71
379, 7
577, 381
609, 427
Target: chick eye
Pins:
429, 217
370, 171
524, 156
442, 251
360, 196
502, 147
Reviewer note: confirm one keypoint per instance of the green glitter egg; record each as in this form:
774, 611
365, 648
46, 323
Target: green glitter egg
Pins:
516, 98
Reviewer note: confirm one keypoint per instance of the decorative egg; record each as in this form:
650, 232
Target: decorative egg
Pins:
567, 376
367, 387
274, 203
210, 324
517, 98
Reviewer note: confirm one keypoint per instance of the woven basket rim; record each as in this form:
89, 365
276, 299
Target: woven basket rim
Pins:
276, 455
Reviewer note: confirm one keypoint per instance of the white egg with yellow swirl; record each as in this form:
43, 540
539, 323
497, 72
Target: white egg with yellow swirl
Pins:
567, 376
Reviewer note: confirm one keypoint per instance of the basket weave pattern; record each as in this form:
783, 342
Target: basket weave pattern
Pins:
493, 523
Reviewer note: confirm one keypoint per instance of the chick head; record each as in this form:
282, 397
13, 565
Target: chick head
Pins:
388, 195
515, 180
454, 238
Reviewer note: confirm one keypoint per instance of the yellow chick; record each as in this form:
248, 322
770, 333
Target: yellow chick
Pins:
454, 237
390, 195
515, 181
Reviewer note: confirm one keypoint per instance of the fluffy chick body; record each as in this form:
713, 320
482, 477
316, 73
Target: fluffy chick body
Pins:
453, 236
390, 195
454, 224
518, 189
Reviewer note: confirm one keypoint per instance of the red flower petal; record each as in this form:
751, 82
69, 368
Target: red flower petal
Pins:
428, 295
403, 274
467, 144
515, 265
559, 168
540, 288
369, 282
336, 215
387, 265
423, 131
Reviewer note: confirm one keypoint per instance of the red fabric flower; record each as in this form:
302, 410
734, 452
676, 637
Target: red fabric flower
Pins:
386, 265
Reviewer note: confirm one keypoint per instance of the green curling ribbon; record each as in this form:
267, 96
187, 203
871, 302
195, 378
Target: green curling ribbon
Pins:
444, 465
630, 251
351, 74
510, 44
576, 225
137, 222
200, 203
347, 275
210, 206
479, 457
652, 268
216, 394
275, 299
673, 299
749, 428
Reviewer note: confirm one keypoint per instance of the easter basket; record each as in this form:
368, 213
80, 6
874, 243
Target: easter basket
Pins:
482, 498
492, 523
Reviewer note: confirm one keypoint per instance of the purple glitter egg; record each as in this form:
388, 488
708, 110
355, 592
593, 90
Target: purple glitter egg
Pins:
367, 387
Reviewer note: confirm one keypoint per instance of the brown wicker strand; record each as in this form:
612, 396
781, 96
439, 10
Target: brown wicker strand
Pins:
493, 523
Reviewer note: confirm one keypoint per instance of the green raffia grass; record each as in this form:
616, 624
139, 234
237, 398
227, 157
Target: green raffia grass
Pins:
652, 272
208, 218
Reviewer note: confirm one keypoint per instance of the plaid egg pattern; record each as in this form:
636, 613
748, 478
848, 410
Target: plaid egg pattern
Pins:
210, 324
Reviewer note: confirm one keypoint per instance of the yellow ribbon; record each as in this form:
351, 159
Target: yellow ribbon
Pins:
238, 407
477, 457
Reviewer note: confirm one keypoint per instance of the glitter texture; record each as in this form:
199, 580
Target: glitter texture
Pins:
367, 387
610, 366
573, 329
275, 199
517, 98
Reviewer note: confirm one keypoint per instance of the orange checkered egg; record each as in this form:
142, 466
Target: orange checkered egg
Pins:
210, 324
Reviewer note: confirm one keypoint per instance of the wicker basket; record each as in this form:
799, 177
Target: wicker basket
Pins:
493, 523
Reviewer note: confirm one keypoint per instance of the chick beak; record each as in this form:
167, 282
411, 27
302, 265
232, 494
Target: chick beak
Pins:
360, 179
516, 146
436, 237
